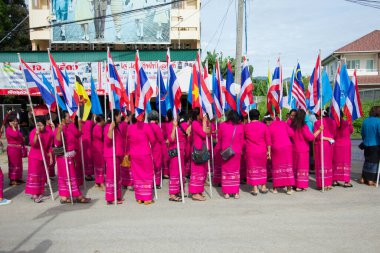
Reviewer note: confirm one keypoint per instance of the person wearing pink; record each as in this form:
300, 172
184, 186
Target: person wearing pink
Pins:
301, 139
156, 147
76, 129
3, 201
15, 142
292, 116
50, 128
282, 155
198, 173
258, 150
342, 153
140, 138
125, 172
231, 134
112, 130
68, 158
87, 143
164, 147
329, 131
97, 151
36, 178
174, 179
217, 176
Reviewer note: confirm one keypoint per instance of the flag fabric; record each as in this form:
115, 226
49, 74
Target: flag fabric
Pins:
230, 103
61, 104
174, 93
297, 89
246, 96
326, 88
313, 90
83, 97
117, 93
335, 102
291, 99
353, 106
96, 108
195, 96
217, 91
206, 96
190, 91
59, 79
345, 83
130, 87
143, 89
161, 96
269, 78
273, 96
32, 80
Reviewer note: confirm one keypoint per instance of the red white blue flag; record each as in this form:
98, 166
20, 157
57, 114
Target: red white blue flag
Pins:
246, 96
335, 102
143, 89
353, 106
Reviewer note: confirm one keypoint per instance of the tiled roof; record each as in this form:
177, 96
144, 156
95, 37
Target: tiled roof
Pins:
369, 42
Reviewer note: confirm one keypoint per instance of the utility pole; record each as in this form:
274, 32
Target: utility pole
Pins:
239, 40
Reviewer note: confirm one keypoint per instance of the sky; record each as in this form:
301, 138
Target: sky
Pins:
292, 29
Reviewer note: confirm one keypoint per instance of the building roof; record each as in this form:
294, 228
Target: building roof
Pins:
95, 56
362, 80
369, 42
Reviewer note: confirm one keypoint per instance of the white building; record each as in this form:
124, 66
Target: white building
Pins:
362, 54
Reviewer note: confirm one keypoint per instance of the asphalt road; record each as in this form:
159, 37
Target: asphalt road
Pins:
341, 220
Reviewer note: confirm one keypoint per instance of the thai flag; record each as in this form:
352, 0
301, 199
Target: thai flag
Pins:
143, 89
246, 96
274, 94
130, 89
61, 104
335, 102
206, 96
297, 91
32, 80
161, 96
353, 106
312, 93
66, 89
217, 91
174, 92
118, 95
230, 103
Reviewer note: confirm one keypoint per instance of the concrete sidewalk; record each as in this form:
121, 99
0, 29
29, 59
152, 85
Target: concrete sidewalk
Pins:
341, 220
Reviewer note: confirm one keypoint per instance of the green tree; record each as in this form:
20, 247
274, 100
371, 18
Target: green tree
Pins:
12, 12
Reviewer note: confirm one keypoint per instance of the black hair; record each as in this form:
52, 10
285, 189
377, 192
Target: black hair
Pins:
99, 118
116, 113
41, 119
64, 112
169, 114
292, 110
134, 120
12, 117
254, 114
233, 117
299, 121
194, 114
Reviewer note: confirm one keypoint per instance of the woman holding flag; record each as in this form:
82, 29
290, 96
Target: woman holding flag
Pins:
156, 147
125, 172
109, 129
97, 137
87, 126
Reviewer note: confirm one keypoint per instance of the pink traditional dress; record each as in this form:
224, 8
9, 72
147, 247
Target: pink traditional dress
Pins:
157, 151
78, 157
164, 150
257, 139
282, 154
217, 176
1, 184
98, 153
140, 138
231, 167
198, 171
87, 154
342, 152
63, 183
110, 166
301, 140
174, 179
328, 131
15, 141
36, 178
51, 167
125, 172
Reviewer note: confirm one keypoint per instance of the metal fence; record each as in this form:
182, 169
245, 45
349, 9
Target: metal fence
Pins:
370, 95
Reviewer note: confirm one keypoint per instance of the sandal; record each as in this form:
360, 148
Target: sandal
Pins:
148, 202
139, 202
226, 196
65, 201
348, 185
200, 198
254, 193
263, 192
175, 199
38, 199
336, 184
237, 196
274, 191
83, 200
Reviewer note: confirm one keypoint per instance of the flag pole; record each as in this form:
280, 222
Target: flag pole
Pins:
212, 153
105, 96
378, 174
82, 155
209, 169
159, 95
322, 144
38, 136
180, 166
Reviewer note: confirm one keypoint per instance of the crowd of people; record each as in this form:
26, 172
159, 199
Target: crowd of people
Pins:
235, 151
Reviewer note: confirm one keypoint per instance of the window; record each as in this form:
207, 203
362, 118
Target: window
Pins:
352, 64
369, 65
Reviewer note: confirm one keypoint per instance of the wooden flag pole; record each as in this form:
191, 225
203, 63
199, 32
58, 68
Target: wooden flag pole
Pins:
180, 167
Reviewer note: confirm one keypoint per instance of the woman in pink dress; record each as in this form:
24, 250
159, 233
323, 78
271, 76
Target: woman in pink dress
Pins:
157, 146
217, 175
231, 134
174, 179
50, 127
69, 158
302, 137
140, 138
329, 132
36, 178
258, 150
282, 155
125, 171
98, 152
112, 130
3, 201
164, 148
342, 153
15, 142
87, 144
198, 173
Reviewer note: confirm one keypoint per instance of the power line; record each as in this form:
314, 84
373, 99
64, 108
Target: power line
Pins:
368, 3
